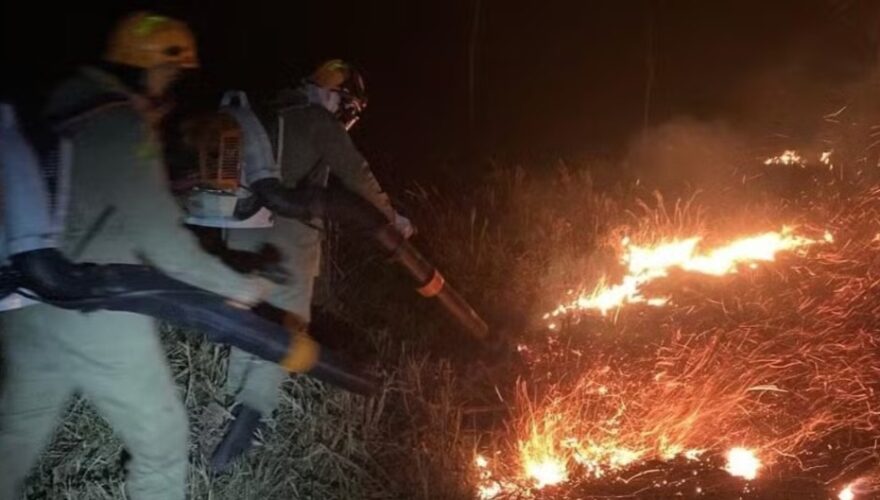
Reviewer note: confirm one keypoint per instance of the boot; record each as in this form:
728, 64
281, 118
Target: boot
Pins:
238, 439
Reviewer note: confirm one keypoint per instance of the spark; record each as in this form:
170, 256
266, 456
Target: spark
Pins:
743, 463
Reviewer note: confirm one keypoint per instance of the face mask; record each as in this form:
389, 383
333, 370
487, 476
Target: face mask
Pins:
327, 98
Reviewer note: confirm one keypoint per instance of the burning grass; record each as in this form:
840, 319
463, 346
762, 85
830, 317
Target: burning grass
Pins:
770, 370
646, 264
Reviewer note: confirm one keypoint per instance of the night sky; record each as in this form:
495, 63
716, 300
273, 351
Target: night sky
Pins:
552, 78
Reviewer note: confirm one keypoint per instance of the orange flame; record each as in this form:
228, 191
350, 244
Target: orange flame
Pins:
788, 157
742, 462
487, 487
851, 491
546, 472
544, 458
557, 442
649, 263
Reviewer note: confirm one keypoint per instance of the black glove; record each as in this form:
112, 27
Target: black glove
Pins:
10, 279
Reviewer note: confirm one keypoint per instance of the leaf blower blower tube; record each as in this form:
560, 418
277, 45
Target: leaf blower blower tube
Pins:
144, 290
357, 214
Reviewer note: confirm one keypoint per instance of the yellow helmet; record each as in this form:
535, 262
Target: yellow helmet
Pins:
145, 40
331, 74
344, 79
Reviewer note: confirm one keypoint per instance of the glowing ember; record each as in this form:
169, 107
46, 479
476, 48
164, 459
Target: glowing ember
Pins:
648, 263
847, 493
742, 463
826, 159
788, 157
488, 488
791, 157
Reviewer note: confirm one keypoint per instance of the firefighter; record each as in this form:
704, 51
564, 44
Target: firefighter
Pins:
312, 144
120, 210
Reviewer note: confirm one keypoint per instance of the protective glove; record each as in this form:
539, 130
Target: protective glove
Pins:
403, 225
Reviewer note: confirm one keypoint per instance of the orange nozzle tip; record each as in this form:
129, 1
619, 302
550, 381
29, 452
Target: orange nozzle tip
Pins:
433, 286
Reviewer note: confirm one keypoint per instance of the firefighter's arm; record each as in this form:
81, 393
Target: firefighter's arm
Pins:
347, 164
153, 218
282, 200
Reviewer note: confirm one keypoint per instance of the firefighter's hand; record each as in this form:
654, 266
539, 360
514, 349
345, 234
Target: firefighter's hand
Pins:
404, 226
256, 291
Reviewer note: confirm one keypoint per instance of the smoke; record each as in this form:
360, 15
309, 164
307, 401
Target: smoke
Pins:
778, 109
686, 154
814, 92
